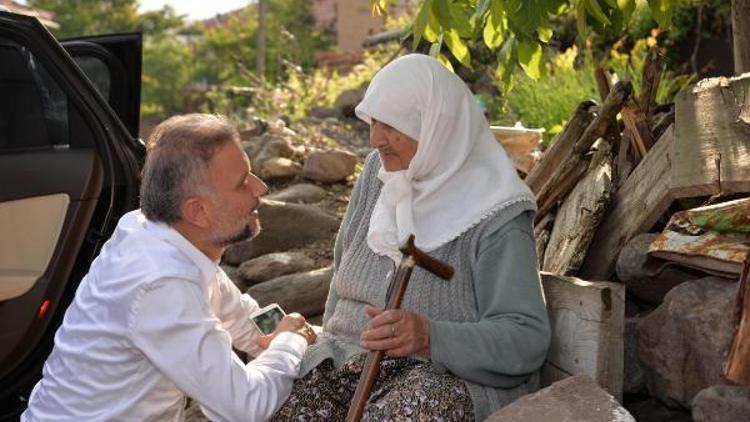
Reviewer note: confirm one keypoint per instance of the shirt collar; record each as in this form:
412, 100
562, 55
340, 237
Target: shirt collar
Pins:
207, 267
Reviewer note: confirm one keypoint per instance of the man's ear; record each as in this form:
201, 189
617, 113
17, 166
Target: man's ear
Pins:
195, 211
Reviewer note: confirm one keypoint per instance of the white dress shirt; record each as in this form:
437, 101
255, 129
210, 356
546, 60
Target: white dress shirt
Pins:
154, 320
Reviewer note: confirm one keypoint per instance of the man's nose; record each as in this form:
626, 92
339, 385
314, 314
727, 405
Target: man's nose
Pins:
259, 187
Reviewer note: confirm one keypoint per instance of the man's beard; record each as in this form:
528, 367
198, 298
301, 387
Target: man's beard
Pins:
244, 234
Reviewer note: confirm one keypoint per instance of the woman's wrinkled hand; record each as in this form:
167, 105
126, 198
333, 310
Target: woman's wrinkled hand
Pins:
397, 332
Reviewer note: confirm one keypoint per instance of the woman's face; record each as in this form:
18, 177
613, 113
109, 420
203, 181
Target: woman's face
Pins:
396, 149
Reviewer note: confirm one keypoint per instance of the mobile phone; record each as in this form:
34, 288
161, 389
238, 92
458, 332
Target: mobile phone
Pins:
266, 318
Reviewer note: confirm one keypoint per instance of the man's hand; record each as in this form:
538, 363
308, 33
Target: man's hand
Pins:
398, 332
293, 323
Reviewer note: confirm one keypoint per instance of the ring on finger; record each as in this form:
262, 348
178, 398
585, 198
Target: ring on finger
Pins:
393, 330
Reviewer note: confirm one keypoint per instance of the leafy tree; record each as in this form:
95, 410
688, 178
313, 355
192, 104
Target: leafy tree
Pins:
91, 17
228, 50
515, 30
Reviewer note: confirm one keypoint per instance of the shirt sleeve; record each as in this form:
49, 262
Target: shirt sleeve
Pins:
234, 309
172, 325
511, 338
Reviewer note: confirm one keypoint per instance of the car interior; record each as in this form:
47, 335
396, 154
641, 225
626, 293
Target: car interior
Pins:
57, 192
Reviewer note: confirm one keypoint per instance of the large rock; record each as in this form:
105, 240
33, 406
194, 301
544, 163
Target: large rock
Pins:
274, 265
722, 403
574, 399
683, 343
302, 193
633, 379
652, 410
348, 100
279, 168
329, 166
305, 293
646, 278
285, 226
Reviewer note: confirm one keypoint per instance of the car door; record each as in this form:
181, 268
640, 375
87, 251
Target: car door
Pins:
68, 170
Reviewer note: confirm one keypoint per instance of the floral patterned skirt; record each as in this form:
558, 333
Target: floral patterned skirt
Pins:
406, 390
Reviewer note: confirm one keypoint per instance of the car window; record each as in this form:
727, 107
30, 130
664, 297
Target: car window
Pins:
33, 107
97, 71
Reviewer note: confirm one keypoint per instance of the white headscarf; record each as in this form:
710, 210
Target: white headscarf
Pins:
459, 174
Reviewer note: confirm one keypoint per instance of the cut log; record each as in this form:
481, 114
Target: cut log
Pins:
599, 126
650, 82
588, 322
579, 215
623, 163
564, 180
634, 209
561, 148
305, 293
738, 364
542, 232
712, 155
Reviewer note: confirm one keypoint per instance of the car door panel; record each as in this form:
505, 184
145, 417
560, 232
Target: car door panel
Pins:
68, 169
31, 228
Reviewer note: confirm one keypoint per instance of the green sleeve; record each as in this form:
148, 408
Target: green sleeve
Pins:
511, 338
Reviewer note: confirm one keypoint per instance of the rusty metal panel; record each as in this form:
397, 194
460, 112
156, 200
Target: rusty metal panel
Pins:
715, 237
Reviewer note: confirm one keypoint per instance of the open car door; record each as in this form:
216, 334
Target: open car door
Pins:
69, 164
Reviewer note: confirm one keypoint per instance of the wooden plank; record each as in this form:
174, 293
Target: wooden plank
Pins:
738, 363
588, 322
712, 128
579, 215
561, 148
650, 82
636, 124
634, 209
562, 182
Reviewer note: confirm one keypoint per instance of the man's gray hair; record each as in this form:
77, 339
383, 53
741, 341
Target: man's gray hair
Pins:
178, 152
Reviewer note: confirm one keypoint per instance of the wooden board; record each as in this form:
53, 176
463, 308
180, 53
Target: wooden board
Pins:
579, 216
588, 322
712, 132
634, 209
562, 147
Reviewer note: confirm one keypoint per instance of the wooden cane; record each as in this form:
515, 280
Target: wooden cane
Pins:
412, 256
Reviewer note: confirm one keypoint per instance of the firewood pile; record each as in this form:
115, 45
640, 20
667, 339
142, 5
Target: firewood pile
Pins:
603, 180
626, 167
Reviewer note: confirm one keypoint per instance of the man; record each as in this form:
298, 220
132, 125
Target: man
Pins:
155, 318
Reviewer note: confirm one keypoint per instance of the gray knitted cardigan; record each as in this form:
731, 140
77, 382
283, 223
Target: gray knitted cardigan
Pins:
496, 345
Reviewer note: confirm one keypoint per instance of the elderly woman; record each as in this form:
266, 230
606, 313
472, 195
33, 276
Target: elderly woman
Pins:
459, 349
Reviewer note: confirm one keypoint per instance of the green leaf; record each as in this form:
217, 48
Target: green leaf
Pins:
442, 12
506, 59
457, 47
662, 11
444, 60
460, 16
494, 29
581, 19
433, 30
596, 11
544, 32
627, 7
420, 23
436, 46
531, 58
483, 6
524, 15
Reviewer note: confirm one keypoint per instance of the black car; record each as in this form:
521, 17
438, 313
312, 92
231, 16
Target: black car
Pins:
70, 158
